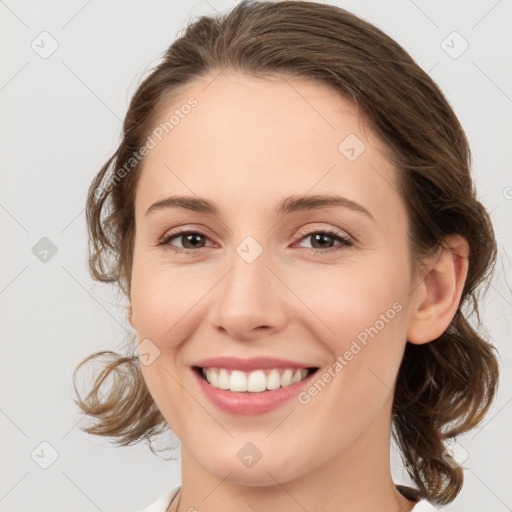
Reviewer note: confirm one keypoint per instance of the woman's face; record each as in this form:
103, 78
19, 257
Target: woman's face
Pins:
258, 280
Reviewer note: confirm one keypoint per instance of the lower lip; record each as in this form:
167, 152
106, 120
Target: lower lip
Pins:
248, 403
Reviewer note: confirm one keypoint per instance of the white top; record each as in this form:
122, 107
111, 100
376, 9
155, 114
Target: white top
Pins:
162, 503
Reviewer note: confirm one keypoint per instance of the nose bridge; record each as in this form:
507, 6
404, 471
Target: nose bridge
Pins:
249, 269
248, 282
249, 295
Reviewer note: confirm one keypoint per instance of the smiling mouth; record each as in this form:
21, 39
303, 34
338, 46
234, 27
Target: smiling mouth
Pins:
256, 381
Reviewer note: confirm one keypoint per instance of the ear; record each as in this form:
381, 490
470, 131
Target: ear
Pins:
437, 297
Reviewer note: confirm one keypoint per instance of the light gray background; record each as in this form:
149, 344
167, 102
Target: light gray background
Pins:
61, 119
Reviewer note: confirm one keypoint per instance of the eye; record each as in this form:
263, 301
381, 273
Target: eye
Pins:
191, 240
321, 237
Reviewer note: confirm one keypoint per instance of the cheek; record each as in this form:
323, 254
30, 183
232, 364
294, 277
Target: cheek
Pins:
161, 297
363, 325
349, 300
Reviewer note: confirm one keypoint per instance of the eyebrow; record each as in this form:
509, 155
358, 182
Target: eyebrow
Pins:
290, 204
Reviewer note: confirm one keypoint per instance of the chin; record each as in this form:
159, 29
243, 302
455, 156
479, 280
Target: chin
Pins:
262, 473
252, 477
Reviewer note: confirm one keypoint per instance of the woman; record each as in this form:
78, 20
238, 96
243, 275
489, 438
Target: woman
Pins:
294, 225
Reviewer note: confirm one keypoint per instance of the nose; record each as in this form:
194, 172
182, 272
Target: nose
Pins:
250, 302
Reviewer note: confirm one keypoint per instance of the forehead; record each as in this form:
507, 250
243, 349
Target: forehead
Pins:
252, 140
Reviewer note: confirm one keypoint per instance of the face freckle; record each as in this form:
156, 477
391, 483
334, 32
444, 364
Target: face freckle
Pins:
258, 285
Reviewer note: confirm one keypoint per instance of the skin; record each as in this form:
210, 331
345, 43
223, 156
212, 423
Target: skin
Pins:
249, 143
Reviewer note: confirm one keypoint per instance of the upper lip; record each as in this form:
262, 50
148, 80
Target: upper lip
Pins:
253, 363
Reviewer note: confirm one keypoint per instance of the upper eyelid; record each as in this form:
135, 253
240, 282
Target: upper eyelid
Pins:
203, 230
337, 231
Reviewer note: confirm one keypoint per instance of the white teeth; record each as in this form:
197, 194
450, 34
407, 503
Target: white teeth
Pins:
223, 379
255, 381
237, 381
296, 377
212, 377
273, 379
286, 378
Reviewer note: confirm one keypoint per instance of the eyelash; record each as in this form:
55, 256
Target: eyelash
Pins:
345, 242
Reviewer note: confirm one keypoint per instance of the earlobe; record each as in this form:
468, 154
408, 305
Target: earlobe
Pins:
439, 294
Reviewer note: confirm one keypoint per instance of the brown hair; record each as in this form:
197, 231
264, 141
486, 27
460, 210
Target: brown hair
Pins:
444, 387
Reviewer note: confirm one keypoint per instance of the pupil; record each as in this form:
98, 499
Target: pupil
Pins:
321, 236
190, 237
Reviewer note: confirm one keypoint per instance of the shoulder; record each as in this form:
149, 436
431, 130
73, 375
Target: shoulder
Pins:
162, 503
422, 505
